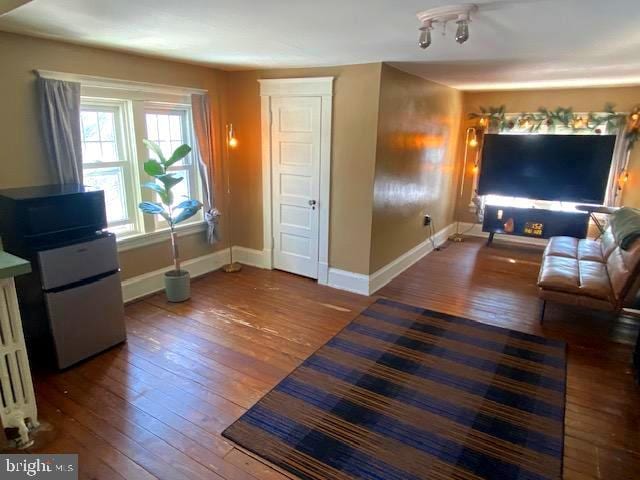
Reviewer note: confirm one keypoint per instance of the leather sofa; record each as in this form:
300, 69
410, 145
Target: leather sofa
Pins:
588, 273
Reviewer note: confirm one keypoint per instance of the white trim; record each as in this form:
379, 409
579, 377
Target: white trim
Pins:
152, 282
144, 239
323, 273
249, 256
299, 87
475, 230
349, 281
119, 84
319, 87
384, 275
369, 284
267, 240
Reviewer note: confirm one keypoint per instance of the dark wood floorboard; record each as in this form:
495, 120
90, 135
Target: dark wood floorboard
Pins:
155, 407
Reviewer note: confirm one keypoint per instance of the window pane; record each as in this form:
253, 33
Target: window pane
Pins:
99, 138
181, 191
163, 127
109, 152
107, 126
91, 152
166, 130
89, 126
112, 182
176, 128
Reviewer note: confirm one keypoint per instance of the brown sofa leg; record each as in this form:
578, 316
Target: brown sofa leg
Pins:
544, 307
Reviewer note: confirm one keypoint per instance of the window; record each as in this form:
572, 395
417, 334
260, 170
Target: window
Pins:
107, 165
113, 153
170, 128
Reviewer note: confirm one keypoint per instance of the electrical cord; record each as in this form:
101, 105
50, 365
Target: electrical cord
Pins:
431, 235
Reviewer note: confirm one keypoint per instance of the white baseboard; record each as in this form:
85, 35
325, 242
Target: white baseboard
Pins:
384, 275
249, 256
349, 281
151, 282
323, 273
369, 284
475, 230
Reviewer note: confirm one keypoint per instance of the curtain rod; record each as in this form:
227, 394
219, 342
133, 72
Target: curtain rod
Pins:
118, 84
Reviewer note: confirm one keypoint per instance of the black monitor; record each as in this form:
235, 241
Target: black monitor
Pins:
570, 168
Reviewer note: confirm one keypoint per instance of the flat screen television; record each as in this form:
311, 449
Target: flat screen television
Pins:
569, 168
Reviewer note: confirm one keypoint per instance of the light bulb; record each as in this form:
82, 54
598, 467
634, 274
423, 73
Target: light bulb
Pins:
425, 37
462, 33
231, 137
473, 142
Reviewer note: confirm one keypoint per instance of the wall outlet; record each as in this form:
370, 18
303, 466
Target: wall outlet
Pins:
427, 220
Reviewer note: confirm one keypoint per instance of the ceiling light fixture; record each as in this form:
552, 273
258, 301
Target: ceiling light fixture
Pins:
461, 14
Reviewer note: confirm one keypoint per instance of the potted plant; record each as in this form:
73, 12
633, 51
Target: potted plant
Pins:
176, 281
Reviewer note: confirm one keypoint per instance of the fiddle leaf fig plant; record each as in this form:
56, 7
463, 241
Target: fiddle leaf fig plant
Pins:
162, 185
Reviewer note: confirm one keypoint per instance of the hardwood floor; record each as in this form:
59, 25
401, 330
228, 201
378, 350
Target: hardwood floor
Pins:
155, 407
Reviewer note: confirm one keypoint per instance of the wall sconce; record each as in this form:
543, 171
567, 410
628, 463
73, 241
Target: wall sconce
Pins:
232, 141
472, 137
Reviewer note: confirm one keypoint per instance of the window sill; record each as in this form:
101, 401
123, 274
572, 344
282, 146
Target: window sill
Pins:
141, 240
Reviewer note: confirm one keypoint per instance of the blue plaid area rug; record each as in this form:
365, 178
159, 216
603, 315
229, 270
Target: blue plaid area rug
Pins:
405, 393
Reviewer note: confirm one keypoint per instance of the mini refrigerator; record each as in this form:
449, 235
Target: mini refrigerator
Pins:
71, 303
83, 296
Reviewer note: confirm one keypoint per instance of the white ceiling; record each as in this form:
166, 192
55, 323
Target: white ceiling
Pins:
513, 44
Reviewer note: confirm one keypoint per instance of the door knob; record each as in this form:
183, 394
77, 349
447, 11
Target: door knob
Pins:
313, 204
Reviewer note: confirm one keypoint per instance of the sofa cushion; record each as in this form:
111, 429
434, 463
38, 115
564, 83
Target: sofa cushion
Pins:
594, 280
590, 250
569, 247
579, 277
562, 247
559, 273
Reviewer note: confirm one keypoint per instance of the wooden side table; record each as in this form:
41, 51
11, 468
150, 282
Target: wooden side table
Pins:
18, 402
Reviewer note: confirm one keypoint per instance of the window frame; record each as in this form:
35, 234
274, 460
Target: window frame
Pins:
122, 135
193, 179
134, 104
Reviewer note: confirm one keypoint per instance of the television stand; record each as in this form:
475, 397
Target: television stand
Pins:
534, 222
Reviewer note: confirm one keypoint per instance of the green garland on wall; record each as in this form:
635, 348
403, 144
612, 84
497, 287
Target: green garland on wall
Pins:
496, 119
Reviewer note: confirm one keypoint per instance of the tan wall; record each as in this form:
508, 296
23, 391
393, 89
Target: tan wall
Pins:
418, 124
581, 99
355, 116
23, 159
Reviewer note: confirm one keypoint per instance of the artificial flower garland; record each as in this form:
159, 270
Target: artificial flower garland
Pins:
496, 118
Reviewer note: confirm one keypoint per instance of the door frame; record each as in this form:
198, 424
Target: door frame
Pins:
298, 87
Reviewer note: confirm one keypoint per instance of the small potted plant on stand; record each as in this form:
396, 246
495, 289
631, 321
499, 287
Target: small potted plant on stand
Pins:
176, 281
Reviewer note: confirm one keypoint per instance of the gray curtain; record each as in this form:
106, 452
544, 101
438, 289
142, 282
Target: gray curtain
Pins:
205, 139
60, 116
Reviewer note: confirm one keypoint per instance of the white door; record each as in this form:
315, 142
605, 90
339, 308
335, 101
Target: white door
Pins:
295, 167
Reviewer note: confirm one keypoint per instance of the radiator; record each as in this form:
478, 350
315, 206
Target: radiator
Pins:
17, 398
